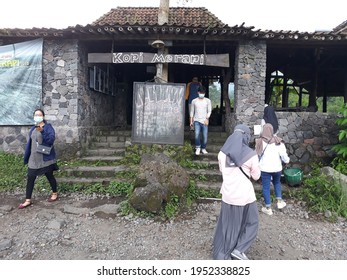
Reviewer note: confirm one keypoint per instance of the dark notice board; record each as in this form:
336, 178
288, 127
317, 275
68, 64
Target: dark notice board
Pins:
158, 113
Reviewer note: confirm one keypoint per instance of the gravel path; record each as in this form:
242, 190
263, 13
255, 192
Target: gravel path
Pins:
77, 227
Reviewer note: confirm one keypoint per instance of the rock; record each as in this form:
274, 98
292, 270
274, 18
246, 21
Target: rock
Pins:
159, 178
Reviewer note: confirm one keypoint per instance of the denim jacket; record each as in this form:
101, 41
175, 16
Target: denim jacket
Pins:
48, 138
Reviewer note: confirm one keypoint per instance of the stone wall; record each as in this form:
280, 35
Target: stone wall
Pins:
308, 136
250, 73
76, 112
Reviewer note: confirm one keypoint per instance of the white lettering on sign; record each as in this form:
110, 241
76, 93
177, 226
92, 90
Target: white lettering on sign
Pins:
197, 59
127, 57
179, 58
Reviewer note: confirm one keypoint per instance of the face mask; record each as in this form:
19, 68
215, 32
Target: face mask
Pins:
201, 95
38, 119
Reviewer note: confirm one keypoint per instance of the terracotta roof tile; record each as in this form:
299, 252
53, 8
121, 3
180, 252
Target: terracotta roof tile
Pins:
180, 16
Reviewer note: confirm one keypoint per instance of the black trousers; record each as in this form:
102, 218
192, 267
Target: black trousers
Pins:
31, 182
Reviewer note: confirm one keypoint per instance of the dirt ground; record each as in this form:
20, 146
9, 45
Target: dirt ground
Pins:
78, 227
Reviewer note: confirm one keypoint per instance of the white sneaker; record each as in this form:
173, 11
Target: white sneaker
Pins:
281, 204
197, 151
266, 210
204, 151
236, 254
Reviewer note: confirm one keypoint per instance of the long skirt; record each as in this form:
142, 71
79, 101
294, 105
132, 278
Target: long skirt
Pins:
237, 228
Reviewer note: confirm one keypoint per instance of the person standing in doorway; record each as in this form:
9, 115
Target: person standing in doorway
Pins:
42, 133
199, 119
192, 92
238, 221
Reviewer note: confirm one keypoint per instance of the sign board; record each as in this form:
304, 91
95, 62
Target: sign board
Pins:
217, 60
158, 113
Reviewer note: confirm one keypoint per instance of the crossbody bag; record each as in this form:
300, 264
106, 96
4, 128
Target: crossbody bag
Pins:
42, 149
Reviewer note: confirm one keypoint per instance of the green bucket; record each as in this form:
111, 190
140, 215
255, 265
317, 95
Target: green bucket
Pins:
293, 176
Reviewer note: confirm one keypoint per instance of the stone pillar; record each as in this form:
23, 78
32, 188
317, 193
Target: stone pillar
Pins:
250, 74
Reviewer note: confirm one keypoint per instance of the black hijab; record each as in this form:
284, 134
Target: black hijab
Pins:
236, 147
270, 117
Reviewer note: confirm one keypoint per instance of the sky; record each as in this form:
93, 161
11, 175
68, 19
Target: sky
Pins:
294, 15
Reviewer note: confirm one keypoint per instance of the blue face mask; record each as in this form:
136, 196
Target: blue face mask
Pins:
201, 95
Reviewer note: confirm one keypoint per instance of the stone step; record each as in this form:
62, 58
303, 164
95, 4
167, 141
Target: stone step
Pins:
89, 181
109, 147
112, 139
99, 158
116, 132
212, 175
105, 152
93, 171
108, 144
209, 161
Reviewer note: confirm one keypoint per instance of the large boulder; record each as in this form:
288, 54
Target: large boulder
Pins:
159, 177
336, 177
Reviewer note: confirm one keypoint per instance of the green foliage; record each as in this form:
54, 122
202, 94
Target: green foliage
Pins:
341, 121
120, 189
172, 207
12, 172
340, 165
188, 163
125, 208
127, 174
321, 194
334, 103
178, 153
193, 193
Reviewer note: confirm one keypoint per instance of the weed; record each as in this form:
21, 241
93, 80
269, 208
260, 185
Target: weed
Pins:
323, 194
12, 172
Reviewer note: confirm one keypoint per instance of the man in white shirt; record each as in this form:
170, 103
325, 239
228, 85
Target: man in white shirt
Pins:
199, 119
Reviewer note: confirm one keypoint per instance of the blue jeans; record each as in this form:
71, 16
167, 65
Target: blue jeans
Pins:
266, 180
200, 128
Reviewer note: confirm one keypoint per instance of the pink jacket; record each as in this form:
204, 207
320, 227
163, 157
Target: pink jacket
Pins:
236, 188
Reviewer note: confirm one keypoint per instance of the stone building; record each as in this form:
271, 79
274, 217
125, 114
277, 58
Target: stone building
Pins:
88, 73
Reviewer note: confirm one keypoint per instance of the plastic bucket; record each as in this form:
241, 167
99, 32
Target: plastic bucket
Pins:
293, 176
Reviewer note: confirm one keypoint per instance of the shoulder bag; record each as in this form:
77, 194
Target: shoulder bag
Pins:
42, 149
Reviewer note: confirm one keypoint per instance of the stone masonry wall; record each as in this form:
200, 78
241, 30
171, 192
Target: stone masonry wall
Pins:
250, 73
308, 136
75, 111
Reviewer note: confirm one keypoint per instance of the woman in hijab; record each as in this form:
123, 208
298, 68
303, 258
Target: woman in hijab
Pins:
270, 117
272, 152
237, 225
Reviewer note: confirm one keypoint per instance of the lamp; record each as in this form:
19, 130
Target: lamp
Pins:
158, 44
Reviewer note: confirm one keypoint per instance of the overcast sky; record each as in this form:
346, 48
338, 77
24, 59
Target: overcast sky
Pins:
295, 15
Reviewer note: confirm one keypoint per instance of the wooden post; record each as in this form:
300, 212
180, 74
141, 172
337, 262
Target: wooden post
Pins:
163, 17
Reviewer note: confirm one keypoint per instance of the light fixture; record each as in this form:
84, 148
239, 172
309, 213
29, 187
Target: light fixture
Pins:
158, 44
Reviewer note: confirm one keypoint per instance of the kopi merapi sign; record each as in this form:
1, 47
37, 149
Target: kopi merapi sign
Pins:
218, 60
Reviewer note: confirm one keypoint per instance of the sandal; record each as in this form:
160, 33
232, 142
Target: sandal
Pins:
53, 197
25, 204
